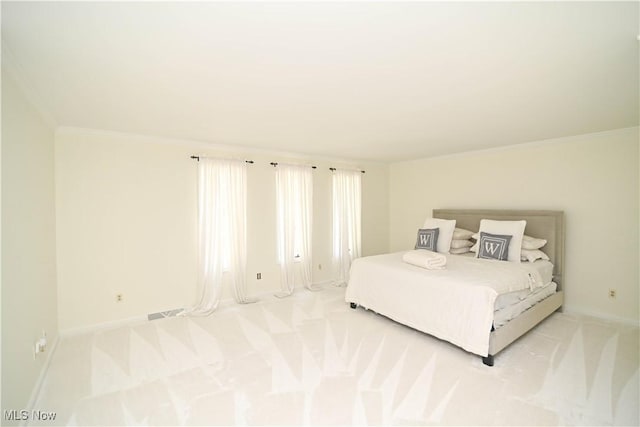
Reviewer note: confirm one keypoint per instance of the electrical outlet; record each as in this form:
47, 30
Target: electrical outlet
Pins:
259, 276
612, 293
118, 297
40, 345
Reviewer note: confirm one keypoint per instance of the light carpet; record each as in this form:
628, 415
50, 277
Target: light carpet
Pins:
311, 360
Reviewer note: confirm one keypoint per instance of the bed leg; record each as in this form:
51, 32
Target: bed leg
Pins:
488, 360
354, 305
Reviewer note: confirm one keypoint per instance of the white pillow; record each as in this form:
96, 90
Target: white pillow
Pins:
533, 255
462, 234
532, 243
445, 235
515, 229
459, 243
474, 248
459, 251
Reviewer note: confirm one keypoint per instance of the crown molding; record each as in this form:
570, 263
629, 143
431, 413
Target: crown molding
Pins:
524, 145
214, 146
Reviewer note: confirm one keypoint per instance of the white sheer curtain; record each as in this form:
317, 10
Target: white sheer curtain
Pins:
347, 210
222, 213
294, 203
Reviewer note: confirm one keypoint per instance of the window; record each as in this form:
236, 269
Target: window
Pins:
294, 202
221, 231
346, 221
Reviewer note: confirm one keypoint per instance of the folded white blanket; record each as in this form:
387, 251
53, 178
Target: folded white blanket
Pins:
425, 259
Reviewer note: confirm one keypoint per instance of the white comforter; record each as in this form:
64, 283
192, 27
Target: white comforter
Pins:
455, 304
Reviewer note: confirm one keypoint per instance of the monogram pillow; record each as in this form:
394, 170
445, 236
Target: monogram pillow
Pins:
427, 239
493, 246
515, 229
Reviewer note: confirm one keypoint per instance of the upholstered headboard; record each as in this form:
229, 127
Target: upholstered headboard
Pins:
547, 225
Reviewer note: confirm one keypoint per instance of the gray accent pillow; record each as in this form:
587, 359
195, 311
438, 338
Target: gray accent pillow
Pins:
427, 239
493, 246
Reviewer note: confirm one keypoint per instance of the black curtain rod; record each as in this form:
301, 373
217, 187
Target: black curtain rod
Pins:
333, 169
198, 159
274, 164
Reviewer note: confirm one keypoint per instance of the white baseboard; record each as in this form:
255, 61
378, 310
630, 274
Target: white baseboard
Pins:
224, 303
102, 326
601, 316
270, 295
35, 392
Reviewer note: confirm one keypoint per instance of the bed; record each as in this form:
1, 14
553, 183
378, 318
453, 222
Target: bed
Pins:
479, 306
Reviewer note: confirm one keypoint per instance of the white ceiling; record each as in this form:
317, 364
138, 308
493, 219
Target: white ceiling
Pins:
364, 80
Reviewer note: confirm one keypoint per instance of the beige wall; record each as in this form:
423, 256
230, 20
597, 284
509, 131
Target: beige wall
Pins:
126, 212
29, 301
592, 178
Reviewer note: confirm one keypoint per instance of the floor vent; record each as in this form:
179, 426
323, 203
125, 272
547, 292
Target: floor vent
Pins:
163, 314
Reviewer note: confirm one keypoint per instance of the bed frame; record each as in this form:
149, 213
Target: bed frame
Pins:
547, 225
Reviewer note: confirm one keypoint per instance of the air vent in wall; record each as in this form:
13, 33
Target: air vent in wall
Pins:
163, 314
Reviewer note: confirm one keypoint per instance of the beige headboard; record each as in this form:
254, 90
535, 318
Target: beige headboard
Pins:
547, 225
